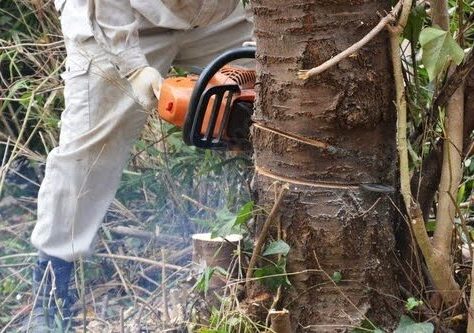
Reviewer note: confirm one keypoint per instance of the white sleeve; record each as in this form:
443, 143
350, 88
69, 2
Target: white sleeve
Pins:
115, 27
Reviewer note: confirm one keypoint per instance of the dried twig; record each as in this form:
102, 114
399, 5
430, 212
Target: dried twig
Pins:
197, 203
117, 269
122, 326
143, 260
145, 235
389, 18
166, 313
263, 235
48, 45
173, 258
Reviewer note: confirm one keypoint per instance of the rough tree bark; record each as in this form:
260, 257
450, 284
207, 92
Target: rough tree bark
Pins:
325, 137
468, 114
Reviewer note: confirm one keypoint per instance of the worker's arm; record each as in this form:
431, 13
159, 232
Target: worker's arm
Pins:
115, 28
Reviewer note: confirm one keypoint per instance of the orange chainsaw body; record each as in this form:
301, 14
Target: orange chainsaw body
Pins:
175, 95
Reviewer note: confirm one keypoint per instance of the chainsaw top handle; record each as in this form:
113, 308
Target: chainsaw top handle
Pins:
203, 81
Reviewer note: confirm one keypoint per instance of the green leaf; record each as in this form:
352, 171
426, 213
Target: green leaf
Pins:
244, 214
273, 275
228, 222
278, 247
412, 303
366, 327
225, 223
431, 225
407, 325
336, 277
461, 194
439, 48
202, 284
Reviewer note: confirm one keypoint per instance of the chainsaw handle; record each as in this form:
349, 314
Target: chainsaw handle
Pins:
203, 81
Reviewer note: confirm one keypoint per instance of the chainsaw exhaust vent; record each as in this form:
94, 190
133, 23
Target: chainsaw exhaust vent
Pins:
245, 78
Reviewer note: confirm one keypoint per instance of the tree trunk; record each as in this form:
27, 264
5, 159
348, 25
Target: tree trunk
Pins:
325, 137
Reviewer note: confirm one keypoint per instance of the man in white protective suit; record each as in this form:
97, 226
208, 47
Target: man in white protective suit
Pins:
117, 53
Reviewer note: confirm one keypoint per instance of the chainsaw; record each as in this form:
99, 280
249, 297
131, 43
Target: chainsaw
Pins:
213, 109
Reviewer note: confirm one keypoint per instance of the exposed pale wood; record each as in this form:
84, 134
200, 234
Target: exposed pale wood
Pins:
280, 321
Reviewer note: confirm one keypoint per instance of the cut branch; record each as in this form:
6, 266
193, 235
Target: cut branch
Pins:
389, 18
145, 235
263, 235
143, 260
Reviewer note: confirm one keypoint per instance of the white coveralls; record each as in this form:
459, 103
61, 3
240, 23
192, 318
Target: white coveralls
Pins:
107, 40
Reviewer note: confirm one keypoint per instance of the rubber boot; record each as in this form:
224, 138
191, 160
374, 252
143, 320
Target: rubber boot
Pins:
52, 305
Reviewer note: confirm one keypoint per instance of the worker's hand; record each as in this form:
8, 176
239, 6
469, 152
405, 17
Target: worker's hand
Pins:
146, 85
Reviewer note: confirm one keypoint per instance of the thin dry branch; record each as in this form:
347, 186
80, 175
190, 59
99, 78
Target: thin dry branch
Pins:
166, 314
143, 260
384, 21
263, 236
146, 235
118, 270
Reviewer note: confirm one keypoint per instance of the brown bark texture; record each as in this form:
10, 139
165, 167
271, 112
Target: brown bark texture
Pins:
468, 113
324, 137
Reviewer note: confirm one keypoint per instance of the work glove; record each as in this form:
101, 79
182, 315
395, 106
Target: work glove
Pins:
146, 84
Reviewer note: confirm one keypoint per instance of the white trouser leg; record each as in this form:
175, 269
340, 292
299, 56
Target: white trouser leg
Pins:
98, 126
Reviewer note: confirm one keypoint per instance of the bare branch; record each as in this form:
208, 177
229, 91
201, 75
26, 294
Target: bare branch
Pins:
389, 18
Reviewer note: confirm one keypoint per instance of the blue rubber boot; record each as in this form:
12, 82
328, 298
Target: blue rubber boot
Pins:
52, 304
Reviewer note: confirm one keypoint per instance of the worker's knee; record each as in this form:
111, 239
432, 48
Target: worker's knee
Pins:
99, 104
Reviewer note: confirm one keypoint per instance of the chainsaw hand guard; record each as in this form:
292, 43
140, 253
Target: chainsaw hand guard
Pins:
214, 135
